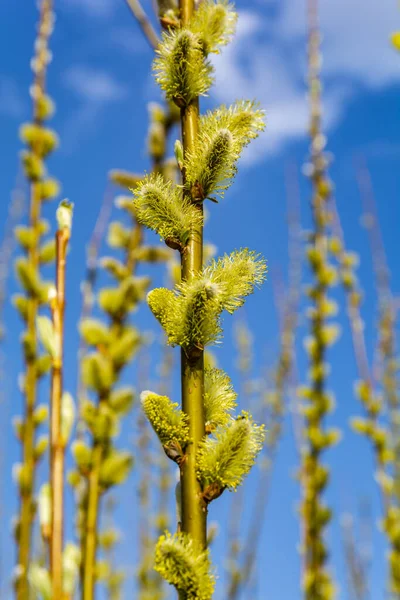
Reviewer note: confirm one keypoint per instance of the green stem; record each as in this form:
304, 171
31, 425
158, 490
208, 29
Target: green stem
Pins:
27, 508
90, 537
28, 442
194, 514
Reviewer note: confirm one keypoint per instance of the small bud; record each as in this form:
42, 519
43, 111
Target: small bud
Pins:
44, 504
64, 215
94, 332
82, 455
41, 447
39, 579
178, 149
67, 417
40, 414
47, 252
48, 189
115, 468
47, 335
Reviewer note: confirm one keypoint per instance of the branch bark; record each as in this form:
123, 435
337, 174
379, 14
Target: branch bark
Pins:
194, 515
57, 445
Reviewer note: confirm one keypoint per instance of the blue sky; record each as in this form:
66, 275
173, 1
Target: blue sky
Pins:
100, 78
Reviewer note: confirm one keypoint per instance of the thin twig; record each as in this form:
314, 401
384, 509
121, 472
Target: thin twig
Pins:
88, 285
144, 23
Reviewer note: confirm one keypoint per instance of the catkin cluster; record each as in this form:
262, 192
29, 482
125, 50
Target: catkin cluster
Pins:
224, 453
38, 251
317, 400
382, 433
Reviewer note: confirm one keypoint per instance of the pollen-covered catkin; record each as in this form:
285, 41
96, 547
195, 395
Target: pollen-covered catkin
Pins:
214, 449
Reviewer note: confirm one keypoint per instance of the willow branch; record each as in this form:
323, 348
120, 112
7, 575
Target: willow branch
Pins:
194, 517
386, 450
144, 22
317, 582
26, 513
90, 541
57, 444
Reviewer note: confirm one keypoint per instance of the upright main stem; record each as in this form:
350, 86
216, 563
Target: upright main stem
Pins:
27, 509
194, 515
57, 448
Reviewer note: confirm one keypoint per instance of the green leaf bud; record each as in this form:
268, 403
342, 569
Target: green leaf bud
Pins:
71, 566
47, 336
40, 415
23, 477
67, 417
94, 332
33, 166
42, 141
74, 478
39, 579
45, 107
178, 151
108, 539
121, 400
28, 277
118, 235
115, 468
82, 455
47, 252
21, 303
48, 189
119, 301
124, 347
125, 179
97, 372
29, 346
115, 267
41, 447
44, 504
25, 236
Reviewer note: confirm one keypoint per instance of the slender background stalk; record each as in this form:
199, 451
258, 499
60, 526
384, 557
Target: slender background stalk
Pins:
27, 510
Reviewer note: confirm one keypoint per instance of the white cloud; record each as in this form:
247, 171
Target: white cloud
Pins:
95, 89
11, 101
93, 8
267, 61
356, 37
93, 85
